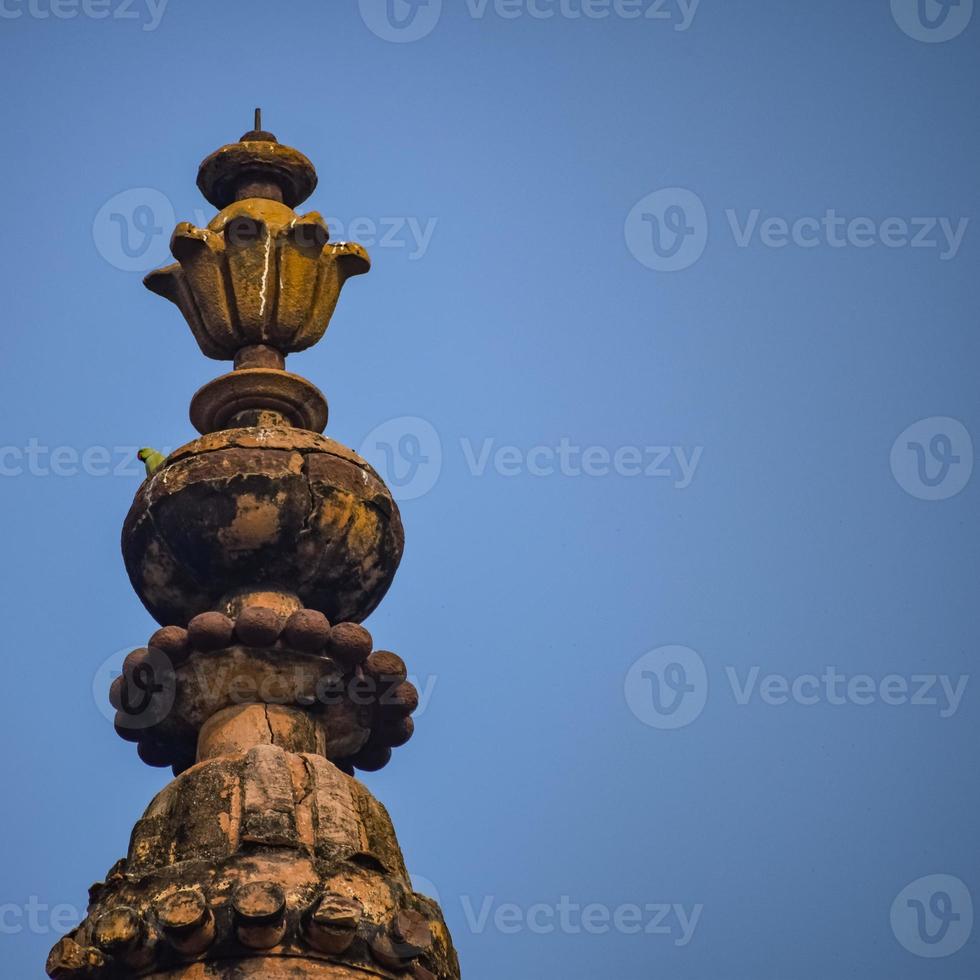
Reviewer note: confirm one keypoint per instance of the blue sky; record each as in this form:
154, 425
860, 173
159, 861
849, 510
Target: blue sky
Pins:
669, 350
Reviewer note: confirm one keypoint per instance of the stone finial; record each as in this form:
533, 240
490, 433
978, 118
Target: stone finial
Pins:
259, 548
258, 283
258, 165
259, 274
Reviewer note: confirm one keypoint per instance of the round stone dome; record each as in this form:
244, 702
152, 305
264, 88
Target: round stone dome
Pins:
255, 508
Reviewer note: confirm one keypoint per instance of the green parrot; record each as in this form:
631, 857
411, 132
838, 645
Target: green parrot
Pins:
151, 459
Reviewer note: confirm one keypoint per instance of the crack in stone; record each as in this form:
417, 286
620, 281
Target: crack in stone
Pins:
268, 722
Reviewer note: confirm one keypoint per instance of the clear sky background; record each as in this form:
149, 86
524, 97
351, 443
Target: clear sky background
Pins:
526, 304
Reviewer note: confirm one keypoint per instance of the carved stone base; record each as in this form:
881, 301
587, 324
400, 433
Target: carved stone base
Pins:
262, 864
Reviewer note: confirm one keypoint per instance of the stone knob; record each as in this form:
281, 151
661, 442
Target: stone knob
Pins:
186, 920
260, 914
332, 924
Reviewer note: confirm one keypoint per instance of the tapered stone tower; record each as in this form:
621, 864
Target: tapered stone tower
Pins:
259, 548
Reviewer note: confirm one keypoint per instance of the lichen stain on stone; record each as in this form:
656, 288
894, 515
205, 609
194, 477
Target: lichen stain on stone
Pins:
255, 524
363, 532
158, 572
342, 510
229, 795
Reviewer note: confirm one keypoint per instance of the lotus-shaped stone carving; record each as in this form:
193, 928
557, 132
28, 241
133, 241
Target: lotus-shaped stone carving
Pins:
258, 274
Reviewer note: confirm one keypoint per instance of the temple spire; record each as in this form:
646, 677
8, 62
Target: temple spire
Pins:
260, 548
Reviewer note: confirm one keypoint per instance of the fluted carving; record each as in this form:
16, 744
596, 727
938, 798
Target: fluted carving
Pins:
258, 274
